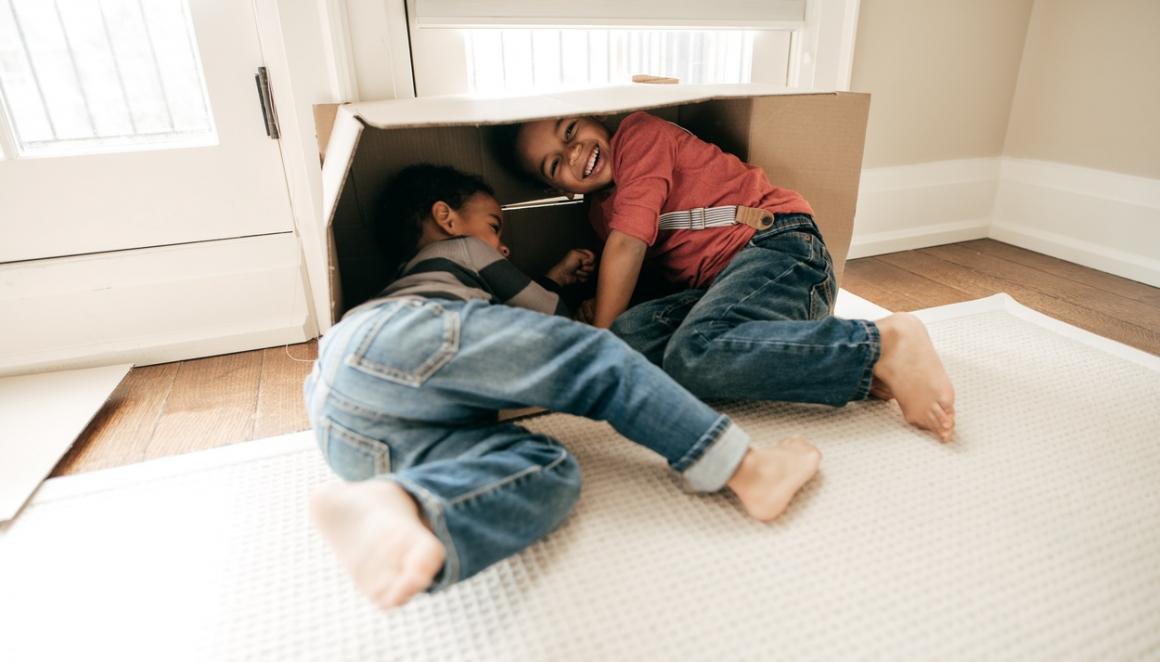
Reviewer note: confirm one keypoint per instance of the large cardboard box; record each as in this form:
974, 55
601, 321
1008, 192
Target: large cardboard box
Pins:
807, 141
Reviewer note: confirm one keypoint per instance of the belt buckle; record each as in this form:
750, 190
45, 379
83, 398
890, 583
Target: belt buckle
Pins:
758, 219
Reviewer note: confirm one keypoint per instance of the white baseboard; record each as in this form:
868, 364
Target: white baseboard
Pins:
153, 305
1100, 219
914, 206
1120, 263
923, 236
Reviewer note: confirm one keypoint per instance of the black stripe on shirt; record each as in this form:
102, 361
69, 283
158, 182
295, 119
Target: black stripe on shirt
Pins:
460, 272
505, 278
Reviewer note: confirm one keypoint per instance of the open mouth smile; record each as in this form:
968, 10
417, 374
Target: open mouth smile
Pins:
592, 161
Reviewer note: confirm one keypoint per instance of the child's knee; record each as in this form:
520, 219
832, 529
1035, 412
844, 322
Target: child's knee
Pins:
561, 498
684, 361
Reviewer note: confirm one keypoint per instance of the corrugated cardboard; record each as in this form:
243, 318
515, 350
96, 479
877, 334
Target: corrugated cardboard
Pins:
808, 141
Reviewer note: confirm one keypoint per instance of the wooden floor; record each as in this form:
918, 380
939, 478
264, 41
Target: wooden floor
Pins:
174, 408
192, 405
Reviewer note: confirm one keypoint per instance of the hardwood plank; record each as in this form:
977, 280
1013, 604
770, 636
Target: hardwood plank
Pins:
212, 404
1101, 280
981, 285
1109, 303
896, 289
280, 407
863, 277
123, 427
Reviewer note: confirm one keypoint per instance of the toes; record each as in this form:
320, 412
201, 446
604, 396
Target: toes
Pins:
396, 588
942, 424
947, 402
424, 560
403, 589
384, 597
938, 417
946, 417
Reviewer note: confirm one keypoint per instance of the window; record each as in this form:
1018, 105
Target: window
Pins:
519, 61
499, 47
84, 76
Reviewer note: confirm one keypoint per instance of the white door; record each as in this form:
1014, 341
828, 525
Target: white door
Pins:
130, 124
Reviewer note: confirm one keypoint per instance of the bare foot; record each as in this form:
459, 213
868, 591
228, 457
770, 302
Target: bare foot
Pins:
768, 478
377, 533
912, 373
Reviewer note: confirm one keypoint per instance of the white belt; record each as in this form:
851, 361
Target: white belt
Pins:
715, 217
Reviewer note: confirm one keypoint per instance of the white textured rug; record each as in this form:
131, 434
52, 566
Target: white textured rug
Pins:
1036, 536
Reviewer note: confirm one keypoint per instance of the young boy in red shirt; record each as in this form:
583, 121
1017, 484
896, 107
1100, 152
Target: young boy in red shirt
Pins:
755, 320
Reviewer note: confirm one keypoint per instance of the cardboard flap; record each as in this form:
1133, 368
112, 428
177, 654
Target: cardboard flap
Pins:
340, 151
341, 148
460, 110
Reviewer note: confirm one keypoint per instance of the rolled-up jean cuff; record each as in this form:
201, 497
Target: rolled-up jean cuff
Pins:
432, 509
719, 461
874, 347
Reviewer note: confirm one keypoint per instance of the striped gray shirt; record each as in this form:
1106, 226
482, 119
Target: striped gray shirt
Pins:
466, 268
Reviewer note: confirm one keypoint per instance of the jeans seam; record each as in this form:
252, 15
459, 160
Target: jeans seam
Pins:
505, 481
773, 343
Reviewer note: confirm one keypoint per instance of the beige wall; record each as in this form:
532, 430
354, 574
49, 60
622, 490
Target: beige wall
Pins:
1089, 88
941, 74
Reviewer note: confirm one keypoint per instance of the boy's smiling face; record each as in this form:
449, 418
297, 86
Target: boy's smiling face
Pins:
571, 153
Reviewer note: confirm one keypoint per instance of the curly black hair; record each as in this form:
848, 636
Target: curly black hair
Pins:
407, 200
501, 139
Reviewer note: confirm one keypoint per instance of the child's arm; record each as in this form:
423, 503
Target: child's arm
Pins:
619, 270
504, 280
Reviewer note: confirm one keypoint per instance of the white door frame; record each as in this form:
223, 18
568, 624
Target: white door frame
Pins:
822, 55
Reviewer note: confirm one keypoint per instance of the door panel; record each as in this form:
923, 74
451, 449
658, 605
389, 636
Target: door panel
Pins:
67, 205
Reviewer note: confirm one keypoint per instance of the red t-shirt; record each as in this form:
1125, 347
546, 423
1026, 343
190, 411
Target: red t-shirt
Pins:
658, 167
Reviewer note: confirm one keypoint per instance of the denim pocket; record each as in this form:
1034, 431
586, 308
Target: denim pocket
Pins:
351, 455
811, 250
408, 342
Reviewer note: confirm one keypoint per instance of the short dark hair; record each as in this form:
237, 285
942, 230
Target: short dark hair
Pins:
502, 141
407, 200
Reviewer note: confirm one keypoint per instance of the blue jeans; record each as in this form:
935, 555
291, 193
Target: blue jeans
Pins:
408, 391
763, 329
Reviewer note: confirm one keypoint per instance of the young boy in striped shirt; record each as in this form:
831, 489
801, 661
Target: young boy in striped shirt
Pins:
405, 393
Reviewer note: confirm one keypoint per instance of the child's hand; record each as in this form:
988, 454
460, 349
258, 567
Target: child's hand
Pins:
575, 267
587, 311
